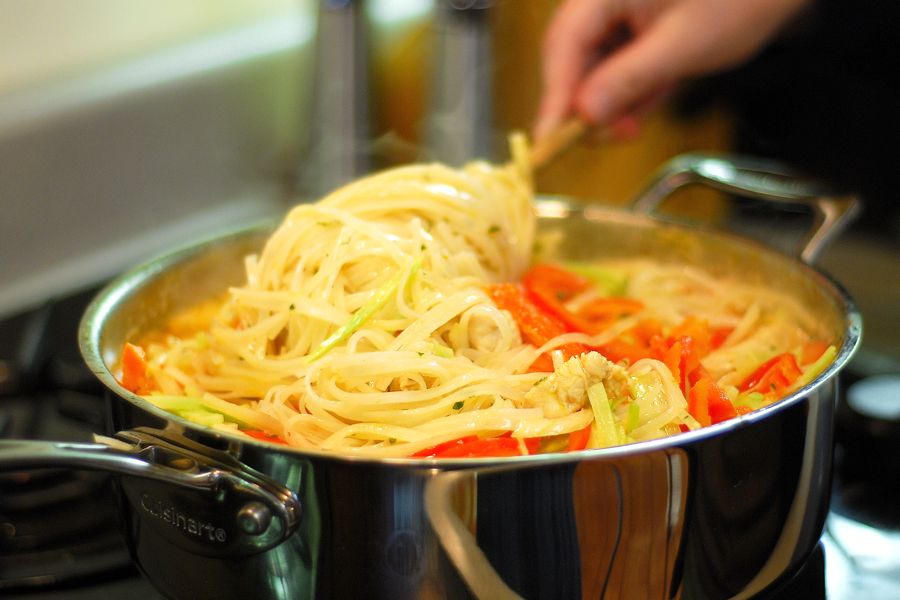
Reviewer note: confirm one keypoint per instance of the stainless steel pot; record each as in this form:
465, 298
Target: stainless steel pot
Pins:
723, 512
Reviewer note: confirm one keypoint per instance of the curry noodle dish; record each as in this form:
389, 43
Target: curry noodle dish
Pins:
403, 316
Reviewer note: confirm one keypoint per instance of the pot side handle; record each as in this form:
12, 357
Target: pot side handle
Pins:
756, 178
232, 512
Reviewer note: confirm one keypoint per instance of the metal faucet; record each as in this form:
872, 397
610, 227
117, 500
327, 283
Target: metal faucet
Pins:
339, 132
461, 120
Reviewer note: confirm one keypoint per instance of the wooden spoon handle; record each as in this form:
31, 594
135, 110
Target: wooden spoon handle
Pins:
556, 142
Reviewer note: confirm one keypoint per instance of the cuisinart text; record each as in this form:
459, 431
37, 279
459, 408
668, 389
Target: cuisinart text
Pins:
170, 515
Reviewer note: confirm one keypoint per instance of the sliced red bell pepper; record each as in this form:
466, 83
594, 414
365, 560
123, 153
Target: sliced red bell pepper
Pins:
135, 377
682, 349
633, 344
531, 444
707, 397
537, 326
718, 336
489, 447
673, 357
578, 439
773, 376
438, 448
720, 406
550, 287
698, 402
604, 312
556, 283
698, 331
262, 435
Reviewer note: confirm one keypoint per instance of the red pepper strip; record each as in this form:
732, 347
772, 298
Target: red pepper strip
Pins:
697, 374
550, 287
718, 336
537, 326
555, 283
698, 330
617, 350
698, 402
633, 344
683, 348
673, 357
578, 439
490, 447
134, 369
438, 448
773, 375
262, 435
706, 396
720, 406
531, 444
601, 313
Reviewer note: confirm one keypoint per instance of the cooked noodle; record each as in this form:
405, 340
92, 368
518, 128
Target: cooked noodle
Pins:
364, 325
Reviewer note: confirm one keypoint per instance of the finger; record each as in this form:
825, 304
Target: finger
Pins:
676, 46
633, 78
626, 128
570, 43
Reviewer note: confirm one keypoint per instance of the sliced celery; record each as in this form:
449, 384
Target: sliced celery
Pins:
173, 403
605, 430
610, 281
442, 351
203, 417
753, 400
246, 418
632, 419
363, 314
813, 370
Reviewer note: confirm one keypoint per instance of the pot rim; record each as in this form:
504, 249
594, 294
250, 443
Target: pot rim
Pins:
130, 282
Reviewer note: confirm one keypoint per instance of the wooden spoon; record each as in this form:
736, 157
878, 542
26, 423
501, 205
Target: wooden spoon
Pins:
566, 135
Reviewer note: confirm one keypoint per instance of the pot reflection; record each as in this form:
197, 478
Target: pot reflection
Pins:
727, 517
567, 531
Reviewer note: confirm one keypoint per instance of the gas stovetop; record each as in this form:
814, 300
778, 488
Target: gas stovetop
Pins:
58, 531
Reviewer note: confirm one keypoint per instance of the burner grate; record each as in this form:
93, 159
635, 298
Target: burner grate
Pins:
55, 524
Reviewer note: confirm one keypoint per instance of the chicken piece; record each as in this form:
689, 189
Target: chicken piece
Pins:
565, 391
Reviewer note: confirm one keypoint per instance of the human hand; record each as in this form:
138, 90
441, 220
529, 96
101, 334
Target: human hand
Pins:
610, 61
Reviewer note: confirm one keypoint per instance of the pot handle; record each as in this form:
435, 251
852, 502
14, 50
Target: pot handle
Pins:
756, 178
199, 503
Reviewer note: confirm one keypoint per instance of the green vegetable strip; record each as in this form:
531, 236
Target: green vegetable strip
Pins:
604, 431
609, 281
632, 420
203, 417
245, 418
813, 370
364, 313
753, 400
173, 403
